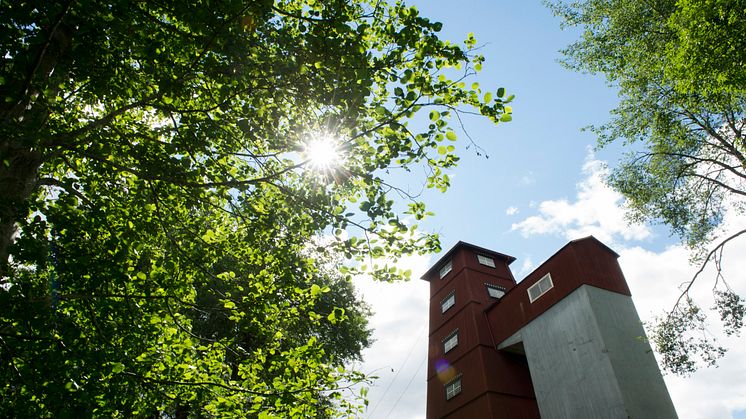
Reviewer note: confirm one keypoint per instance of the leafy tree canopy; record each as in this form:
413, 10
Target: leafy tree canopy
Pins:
163, 216
679, 67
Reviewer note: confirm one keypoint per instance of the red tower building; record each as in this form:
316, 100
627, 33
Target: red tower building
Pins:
562, 343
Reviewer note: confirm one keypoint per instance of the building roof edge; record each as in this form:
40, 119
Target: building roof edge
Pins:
463, 244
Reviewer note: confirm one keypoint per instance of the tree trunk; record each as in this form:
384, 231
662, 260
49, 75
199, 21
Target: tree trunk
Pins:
19, 158
19, 169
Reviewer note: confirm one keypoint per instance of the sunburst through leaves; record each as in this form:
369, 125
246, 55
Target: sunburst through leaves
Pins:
324, 153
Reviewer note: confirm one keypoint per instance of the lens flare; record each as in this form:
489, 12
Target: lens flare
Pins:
323, 152
444, 371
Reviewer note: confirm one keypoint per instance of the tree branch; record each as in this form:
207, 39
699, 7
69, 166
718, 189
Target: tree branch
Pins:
702, 268
48, 181
235, 183
40, 56
713, 133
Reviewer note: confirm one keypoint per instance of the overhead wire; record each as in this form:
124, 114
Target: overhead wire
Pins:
396, 374
407, 387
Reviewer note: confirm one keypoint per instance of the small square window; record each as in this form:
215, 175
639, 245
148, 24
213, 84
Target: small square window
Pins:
445, 269
450, 341
495, 291
486, 261
453, 388
448, 302
540, 288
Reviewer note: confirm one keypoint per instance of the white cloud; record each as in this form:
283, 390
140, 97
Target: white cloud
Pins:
527, 265
511, 211
655, 279
528, 179
399, 354
401, 309
597, 210
401, 335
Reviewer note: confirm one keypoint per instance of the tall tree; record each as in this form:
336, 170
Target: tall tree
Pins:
679, 69
170, 173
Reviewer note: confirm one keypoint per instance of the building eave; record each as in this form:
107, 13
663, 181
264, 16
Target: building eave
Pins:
461, 244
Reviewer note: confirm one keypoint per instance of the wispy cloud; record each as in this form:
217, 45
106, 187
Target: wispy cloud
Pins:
401, 309
528, 179
597, 210
511, 211
654, 279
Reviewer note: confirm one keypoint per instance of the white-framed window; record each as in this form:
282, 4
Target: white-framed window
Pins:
540, 287
453, 387
445, 269
450, 341
486, 261
448, 302
495, 291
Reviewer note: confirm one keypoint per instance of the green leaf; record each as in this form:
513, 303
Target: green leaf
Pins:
197, 216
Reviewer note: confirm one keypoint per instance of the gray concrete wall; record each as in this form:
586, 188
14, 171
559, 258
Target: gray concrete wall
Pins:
587, 360
639, 379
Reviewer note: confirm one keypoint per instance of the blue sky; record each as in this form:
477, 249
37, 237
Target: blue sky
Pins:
541, 186
539, 154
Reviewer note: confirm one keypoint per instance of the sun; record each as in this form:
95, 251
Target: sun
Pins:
323, 152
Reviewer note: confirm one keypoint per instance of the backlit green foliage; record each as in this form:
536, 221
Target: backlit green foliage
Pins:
162, 238
679, 68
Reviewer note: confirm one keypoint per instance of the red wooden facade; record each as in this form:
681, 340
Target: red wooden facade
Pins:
493, 383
